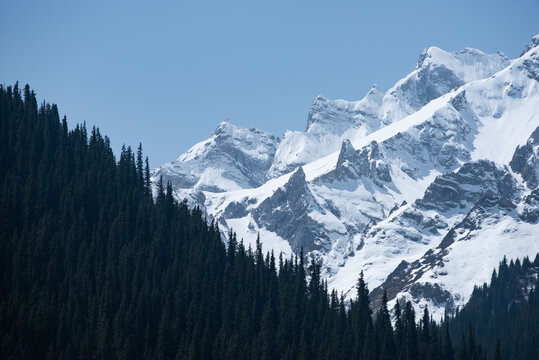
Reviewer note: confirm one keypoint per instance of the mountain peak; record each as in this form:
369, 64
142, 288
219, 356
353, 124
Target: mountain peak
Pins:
427, 54
374, 89
224, 126
320, 98
471, 50
532, 44
375, 96
298, 177
469, 63
347, 152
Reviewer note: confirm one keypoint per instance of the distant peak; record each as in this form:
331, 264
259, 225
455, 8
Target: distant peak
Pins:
436, 56
320, 98
433, 55
471, 50
297, 179
502, 54
426, 54
347, 152
225, 122
227, 128
347, 146
224, 125
375, 94
532, 44
375, 90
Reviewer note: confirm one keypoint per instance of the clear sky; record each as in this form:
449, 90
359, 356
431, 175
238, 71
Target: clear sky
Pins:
165, 73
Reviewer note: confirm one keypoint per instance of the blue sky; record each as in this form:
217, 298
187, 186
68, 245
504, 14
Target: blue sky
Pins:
165, 73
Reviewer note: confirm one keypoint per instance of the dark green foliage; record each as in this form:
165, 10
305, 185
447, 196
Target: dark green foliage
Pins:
504, 315
93, 267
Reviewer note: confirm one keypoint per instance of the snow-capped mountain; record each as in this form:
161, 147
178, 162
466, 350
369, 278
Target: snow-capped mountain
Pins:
425, 188
437, 72
233, 158
328, 124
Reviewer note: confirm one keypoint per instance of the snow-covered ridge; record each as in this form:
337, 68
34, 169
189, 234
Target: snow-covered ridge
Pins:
437, 72
232, 158
468, 64
356, 189
338, 116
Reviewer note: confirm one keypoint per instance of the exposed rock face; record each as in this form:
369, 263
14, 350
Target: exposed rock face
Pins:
329, 122
530, 211
534, 43
235, 210
525, 160
286, 213
353, 164
430, 82
467, 186
437, 72
531, 63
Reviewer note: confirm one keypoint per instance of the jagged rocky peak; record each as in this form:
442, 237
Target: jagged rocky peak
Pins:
328, 123
468, 64
247, 136
375, 95
531, 45
232, 158
530, 59
296, 180
525, 160
437, 72
348, 165
367, 162
347, 153
338, 116
286, 214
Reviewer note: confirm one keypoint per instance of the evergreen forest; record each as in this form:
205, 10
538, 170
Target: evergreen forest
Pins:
93, 265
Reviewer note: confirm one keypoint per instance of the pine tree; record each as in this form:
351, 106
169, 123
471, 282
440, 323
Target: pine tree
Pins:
384, 332
498, 352
448, 352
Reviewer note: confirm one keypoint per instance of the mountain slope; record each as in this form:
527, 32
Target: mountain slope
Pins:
487, 206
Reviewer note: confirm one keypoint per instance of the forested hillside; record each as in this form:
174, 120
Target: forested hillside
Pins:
93, 267
507, 311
